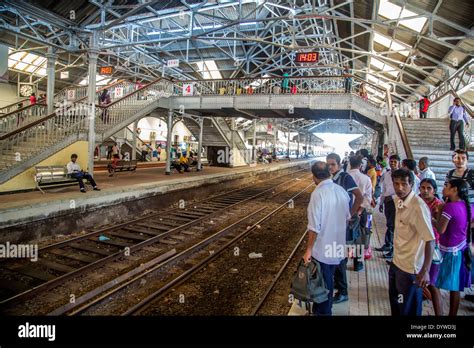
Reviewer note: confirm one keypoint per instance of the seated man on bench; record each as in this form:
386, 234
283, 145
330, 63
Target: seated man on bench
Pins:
74, 171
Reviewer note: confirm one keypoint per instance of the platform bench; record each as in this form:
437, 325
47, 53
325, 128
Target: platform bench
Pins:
122, 166
52, 176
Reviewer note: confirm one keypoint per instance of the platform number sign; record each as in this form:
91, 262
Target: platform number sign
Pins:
118, 92
71, 94
188, 89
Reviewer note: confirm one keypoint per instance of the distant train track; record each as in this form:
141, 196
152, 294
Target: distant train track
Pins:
71, 258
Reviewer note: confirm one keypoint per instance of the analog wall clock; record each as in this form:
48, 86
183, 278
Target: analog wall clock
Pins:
25, 89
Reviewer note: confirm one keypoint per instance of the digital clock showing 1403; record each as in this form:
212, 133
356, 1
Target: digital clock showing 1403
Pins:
307, 57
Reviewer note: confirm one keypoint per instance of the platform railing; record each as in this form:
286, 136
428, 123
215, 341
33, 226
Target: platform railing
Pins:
122, 109
272, 86
32, 138
455, 83
37, 136
31, 113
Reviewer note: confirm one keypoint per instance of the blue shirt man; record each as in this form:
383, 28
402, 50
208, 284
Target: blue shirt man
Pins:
458, 117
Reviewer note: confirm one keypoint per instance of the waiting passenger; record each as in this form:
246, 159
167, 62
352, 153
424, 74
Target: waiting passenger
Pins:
363, 91
183, 161
387, 206
346, 181
365, 186
413, 247
328, 211
347, 79
425, 171
453, 224
410, 164
285, 83
461, 171
74, 171
428, 189
104, 100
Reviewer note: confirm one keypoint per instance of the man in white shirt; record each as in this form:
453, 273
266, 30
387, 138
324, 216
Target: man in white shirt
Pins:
387, 206
365, 186
425, 171
74, 171
328, 213
412, 249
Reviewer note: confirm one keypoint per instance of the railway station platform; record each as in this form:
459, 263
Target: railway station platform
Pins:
126, 193
368, 289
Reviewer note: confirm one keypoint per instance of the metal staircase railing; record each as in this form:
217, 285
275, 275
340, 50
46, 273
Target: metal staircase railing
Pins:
31, 113
34, 138
122, 109
443, 95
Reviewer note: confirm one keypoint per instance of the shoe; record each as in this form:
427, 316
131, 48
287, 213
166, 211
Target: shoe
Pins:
383, 248
340, 298
368, 253
469, 298
83, 190
96, 189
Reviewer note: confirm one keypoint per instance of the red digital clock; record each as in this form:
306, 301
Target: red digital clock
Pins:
307, 57
106, 70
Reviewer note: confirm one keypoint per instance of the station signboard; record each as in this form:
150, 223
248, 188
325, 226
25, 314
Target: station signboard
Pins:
172, 63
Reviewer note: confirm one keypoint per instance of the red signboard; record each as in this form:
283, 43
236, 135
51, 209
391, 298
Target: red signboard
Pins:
106, 70
307, 57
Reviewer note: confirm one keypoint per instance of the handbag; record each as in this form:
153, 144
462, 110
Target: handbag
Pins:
437, 256
308, 284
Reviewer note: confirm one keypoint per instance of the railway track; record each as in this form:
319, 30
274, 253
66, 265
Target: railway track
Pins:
188, 262
149, 301
65, 260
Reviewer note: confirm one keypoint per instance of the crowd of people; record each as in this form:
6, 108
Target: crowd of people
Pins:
427, 241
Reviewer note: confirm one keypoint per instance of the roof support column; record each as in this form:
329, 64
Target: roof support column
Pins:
93, 54
288, 147
298, 151
134, 141
201, 127
232, 142
51, 56
254, 145
168, 142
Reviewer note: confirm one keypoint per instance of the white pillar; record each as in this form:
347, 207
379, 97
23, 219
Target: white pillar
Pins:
254, 147
288, 148
51, 56
168, 142
306, 145
134, 141
93, 53
298, 151
232, 141
201, 127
